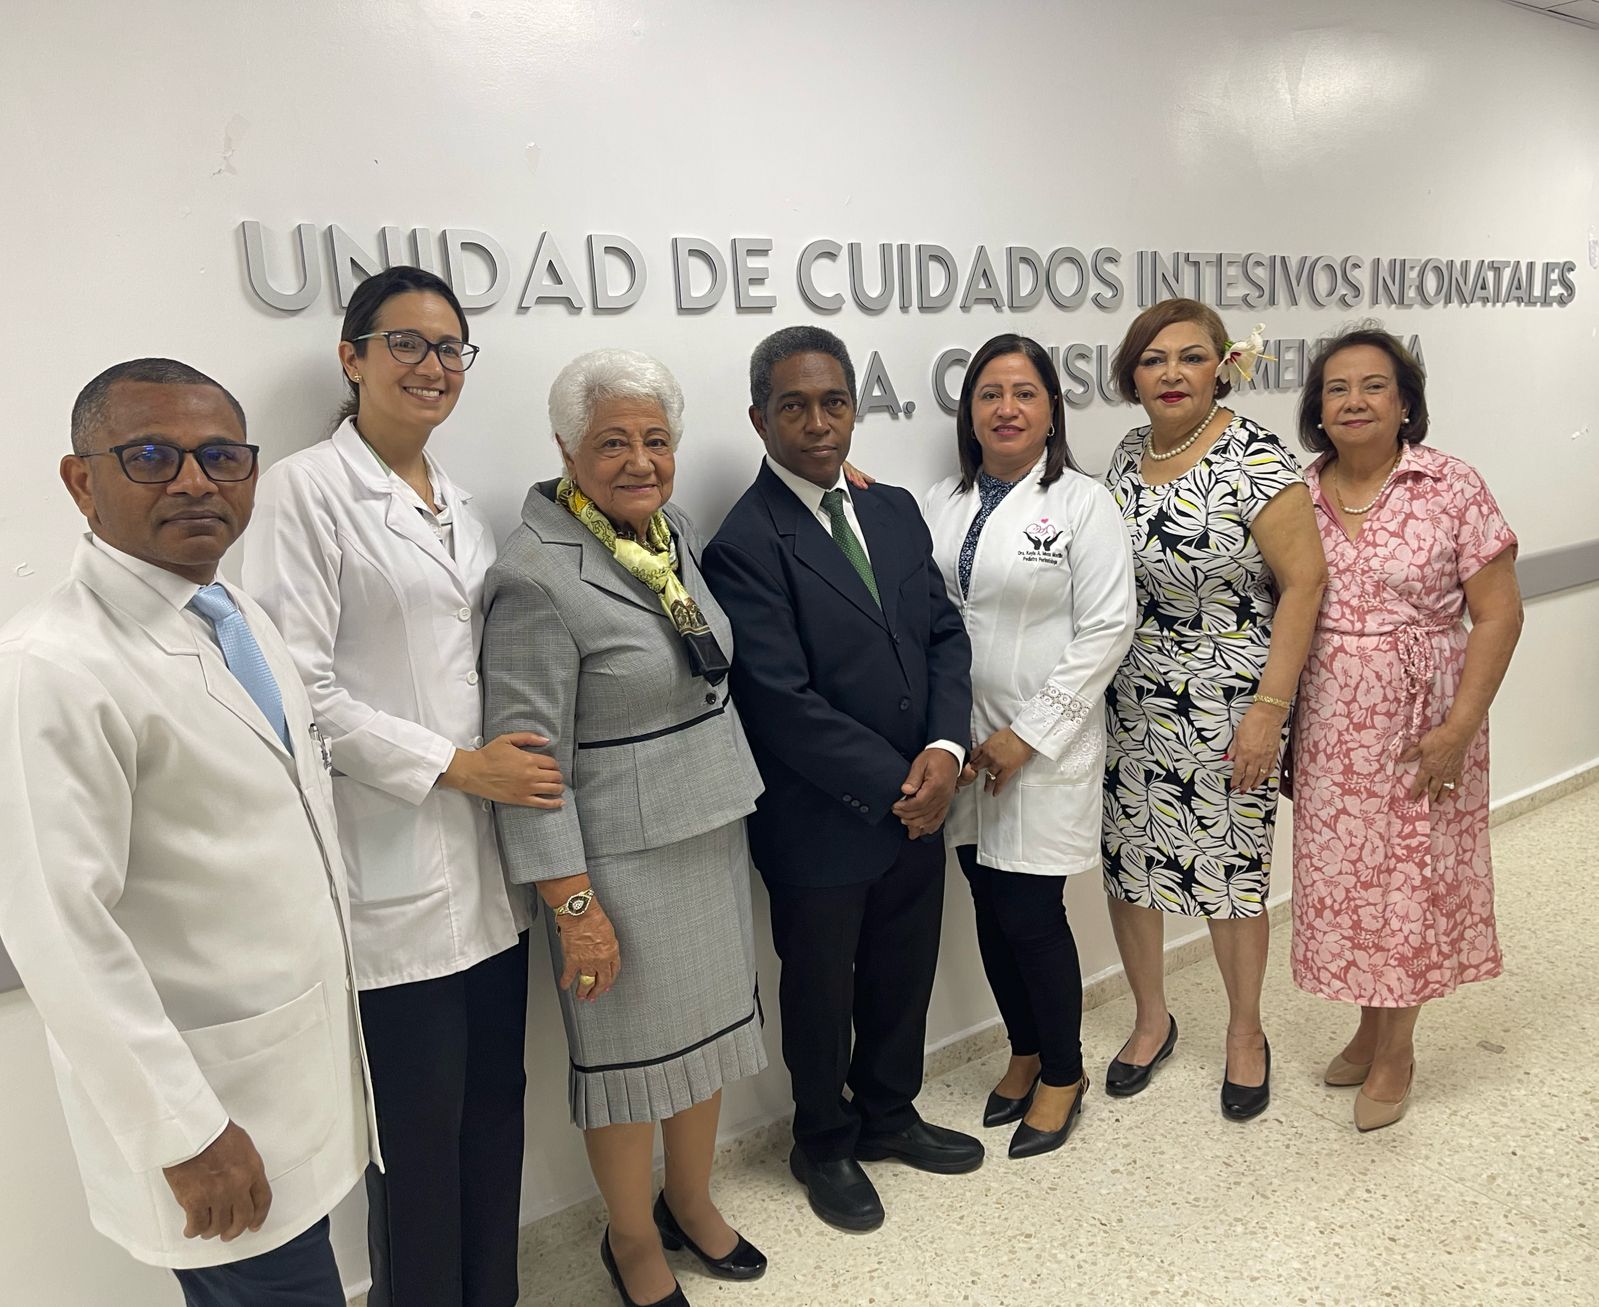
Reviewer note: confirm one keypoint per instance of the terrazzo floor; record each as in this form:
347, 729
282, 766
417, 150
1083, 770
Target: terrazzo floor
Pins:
1486, 1193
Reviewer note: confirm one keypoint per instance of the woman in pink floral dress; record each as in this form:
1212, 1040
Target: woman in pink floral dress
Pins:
1393, 883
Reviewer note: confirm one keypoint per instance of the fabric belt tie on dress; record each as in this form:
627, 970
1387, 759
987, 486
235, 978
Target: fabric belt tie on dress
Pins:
1418, 663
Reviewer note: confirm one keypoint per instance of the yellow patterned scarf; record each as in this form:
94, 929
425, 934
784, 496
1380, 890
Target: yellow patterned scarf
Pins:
654, 562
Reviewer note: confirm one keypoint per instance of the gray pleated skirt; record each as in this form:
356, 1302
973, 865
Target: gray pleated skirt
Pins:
683, 1018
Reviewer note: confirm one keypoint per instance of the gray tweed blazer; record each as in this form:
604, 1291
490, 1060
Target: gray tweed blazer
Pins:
578, 649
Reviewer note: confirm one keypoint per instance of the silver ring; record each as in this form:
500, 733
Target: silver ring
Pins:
1449, 785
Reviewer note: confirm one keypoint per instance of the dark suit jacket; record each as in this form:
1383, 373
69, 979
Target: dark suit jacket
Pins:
836, 694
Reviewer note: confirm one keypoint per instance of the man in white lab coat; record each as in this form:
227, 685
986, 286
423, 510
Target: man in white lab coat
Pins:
173, 897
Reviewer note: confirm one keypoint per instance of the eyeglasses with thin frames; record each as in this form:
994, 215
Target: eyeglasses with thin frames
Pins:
157, 462
411, 347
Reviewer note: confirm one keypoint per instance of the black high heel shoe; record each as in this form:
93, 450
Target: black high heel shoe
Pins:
745, 1262
1000, 1110
1124, 1079
673, 1299
1030, 1142
1241, 1102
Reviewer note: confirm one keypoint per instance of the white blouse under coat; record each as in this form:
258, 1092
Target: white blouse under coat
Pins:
1050, 613
385, 625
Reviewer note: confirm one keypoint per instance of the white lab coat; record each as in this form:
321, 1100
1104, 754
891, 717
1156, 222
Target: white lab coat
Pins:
174, 902
1050, 614
385, 627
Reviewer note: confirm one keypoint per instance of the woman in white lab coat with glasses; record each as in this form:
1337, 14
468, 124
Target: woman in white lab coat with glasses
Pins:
371, 561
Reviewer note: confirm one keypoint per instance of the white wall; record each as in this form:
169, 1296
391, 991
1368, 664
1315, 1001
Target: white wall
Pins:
140, 136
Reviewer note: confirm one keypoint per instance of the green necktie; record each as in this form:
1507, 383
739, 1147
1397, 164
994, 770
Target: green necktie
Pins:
848, 541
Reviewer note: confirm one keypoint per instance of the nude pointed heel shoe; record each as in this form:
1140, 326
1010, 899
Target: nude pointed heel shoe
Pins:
1372, 1114
1342, 1073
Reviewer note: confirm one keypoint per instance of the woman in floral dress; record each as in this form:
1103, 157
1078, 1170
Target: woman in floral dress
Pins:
1229, 573
1393, 882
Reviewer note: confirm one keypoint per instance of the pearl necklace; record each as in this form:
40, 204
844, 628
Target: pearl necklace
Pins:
1172, 453
1382, 490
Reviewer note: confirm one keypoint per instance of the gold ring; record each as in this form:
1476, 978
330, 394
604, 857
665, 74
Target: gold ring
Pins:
585, 979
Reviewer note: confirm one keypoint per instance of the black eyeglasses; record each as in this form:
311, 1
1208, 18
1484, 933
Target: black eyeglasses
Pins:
411, 347
155, 462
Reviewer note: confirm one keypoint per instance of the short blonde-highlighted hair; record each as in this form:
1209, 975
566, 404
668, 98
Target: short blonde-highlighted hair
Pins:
603, 374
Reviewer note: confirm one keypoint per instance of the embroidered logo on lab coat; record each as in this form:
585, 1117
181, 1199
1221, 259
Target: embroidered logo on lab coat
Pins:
1042, 537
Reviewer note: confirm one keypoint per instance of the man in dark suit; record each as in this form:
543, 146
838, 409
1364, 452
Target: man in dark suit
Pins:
852, 674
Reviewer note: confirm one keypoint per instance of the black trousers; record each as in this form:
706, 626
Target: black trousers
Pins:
860, 955
301, 1273
1030, 958
448, 1080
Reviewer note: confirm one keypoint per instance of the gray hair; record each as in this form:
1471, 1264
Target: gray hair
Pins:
603, 374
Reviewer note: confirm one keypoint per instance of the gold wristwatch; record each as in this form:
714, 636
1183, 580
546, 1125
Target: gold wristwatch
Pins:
577, 905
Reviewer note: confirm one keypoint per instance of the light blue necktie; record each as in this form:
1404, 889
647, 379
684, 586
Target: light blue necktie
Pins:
244, 657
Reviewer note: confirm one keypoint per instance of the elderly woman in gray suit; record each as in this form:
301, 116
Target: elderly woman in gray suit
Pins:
601, 634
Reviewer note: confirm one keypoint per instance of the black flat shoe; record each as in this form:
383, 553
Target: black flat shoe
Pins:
841, 1193
1028, 1142
673, 1299
1000, 1110
925, 1146
745, 1262
1240, 1102
1124, 1079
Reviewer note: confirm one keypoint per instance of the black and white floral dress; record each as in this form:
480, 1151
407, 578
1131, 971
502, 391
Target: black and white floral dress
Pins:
1175, 838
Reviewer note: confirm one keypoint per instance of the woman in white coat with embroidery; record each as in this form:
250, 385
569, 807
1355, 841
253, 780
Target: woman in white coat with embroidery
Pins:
1035, 555
371, 562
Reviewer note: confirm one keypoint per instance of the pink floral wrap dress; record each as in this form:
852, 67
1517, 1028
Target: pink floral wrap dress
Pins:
1393, 897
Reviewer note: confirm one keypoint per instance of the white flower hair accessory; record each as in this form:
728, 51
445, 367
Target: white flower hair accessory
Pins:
1240, 357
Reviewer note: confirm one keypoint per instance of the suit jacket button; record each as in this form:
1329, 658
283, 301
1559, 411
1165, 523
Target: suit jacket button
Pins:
847, 799
710, 698
904, 705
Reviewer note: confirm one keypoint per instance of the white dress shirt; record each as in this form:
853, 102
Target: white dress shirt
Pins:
810, 494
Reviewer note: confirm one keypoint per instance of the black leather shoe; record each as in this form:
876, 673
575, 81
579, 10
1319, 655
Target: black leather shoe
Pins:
673, 1299
1028, 1142
1124, 1079
925, 1146
1000, 1110
745, 1262
1240, 1102
840, 1192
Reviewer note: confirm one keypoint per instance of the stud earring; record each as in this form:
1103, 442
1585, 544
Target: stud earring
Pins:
1407, 417
1319, 426
355, 377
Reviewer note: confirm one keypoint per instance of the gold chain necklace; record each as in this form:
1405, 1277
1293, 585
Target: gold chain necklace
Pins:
1381, 491
1161, 458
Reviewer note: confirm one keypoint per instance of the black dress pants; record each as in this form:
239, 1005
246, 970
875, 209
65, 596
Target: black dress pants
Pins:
858, 955
301, 1273
1030, 958
448, 1080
